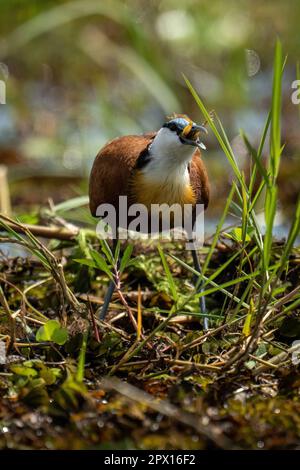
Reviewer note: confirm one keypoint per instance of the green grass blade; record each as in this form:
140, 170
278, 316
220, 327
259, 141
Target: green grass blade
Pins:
81, 359
71, 204
228, 152
219, 228
270, 212
257, 161
126, 257
101, 263
170, 279
275, 143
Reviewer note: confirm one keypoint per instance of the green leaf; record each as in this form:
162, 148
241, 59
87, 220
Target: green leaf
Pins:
86, 262
248, 320
23, 370
237, 234
250, 364
126, 257
50, 375
261, 350
170, 279
101, 263
98, 262
81, 359
107, 250
60, 336
52, 331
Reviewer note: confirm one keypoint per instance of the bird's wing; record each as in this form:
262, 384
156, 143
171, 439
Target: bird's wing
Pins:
199, 179
112, 168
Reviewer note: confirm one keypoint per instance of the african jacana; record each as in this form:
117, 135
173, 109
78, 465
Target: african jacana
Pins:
159, 167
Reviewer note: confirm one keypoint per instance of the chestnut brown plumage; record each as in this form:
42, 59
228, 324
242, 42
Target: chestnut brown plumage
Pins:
114, 164
112, 169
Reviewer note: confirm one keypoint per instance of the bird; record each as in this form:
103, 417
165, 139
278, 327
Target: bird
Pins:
161, 167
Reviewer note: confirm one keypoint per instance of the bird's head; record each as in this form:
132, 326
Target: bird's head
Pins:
178, 138
187, 131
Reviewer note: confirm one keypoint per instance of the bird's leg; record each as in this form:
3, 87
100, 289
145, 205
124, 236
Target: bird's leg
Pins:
110, 290
107, 299
199, 284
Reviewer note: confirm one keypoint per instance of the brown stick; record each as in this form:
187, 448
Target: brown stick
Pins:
210, 431
63, 233
5, 205
59, 233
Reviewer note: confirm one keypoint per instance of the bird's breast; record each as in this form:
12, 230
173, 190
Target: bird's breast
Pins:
144, 190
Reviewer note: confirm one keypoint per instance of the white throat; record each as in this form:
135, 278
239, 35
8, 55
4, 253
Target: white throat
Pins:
169, 158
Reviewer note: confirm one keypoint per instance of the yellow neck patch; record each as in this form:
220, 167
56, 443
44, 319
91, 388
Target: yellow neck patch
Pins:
143, 191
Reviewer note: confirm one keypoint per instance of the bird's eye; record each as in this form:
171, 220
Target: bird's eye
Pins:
172, 126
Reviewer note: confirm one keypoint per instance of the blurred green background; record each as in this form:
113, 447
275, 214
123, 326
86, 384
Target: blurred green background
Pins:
79, 73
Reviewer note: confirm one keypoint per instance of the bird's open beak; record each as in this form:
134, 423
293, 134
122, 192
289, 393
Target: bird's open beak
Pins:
191, 135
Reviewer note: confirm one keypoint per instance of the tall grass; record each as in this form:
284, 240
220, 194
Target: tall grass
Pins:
243, 200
